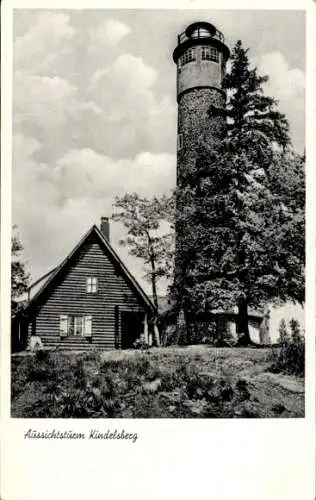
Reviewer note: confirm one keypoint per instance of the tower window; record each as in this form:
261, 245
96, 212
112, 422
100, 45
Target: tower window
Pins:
210, 54
201, 33
188, 56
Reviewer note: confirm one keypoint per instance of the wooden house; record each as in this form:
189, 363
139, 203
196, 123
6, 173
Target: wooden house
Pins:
90, 301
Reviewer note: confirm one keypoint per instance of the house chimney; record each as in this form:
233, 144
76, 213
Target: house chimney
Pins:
105, 228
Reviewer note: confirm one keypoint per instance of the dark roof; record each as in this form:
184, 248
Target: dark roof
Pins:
109, 249
200, 24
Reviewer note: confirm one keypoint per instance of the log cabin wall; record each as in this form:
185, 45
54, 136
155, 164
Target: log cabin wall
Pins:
67, 295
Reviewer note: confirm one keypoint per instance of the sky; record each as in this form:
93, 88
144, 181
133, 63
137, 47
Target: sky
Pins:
94, 111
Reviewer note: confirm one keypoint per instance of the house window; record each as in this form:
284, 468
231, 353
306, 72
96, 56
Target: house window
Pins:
92, 285
210, 54
180, 141
75, 326
78, 326
188, 56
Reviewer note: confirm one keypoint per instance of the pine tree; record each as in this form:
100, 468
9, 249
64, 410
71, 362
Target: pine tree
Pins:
254, 124
283, 333
295, 330
20, 278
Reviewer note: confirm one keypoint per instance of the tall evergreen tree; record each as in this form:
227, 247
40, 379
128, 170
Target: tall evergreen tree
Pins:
241, 249
254, 123
283, 333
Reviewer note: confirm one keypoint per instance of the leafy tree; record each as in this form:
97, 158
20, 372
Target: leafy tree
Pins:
144, 220
242, 248
20, 278
283, 333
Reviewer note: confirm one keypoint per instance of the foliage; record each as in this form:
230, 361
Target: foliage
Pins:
20, 278
254, 124
169, 335
283, 333
289, 356
241, 207
287, 176
140, 344
192, 382
149, 233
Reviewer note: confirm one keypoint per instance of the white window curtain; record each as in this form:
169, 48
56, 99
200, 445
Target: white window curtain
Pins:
63, 325
87, 326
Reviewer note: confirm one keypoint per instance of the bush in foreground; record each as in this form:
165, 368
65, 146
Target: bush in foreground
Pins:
158, 383
142, 386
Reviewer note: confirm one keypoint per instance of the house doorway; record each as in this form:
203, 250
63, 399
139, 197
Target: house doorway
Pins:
132, 326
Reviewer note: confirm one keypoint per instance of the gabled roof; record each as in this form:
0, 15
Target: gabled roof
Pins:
110, 251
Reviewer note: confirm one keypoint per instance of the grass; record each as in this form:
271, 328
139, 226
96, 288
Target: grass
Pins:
174, 382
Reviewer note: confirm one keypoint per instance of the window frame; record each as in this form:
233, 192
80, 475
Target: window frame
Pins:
210, 53
92, 284
76, 325
188, 56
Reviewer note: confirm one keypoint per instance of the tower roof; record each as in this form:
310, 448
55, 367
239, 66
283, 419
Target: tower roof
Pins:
197, 33
200, 24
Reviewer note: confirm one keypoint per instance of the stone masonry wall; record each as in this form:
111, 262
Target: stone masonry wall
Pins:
195, 125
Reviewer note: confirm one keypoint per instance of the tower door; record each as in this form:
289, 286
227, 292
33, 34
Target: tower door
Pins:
132, 326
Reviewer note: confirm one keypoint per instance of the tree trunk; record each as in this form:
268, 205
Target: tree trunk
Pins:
156, 333
153, 272
155, 296
242, 321
154, 288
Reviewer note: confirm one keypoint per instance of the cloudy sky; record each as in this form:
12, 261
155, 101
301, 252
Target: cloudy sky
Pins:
95, 111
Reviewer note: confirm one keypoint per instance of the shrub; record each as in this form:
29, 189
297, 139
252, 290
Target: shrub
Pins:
140, 344
289, 354
169, 383
169, 335
41, 355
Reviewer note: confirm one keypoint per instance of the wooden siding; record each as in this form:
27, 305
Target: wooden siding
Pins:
67, 295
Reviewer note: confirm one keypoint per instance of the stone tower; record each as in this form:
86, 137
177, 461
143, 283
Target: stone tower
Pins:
200, 56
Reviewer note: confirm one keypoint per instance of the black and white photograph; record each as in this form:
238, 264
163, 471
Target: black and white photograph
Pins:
158, 214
